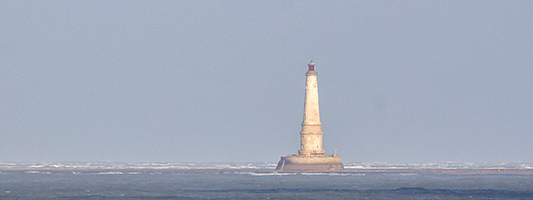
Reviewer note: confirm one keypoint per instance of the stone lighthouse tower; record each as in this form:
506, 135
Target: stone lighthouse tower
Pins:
311, 156
311, 134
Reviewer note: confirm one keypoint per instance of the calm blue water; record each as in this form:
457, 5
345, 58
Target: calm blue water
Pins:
263, 186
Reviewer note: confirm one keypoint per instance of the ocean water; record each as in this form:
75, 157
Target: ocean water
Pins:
38, 185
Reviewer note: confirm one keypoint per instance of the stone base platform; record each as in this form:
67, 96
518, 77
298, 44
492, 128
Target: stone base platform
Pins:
310, 164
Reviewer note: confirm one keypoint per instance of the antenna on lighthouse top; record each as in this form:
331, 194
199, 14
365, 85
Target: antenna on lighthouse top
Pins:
311, 66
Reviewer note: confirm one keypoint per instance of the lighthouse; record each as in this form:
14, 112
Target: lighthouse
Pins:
311, 134
311, 157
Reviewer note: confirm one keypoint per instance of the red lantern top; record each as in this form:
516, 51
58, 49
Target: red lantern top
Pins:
311, 66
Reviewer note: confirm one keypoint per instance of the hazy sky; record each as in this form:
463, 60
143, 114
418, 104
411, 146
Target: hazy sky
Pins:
399, 81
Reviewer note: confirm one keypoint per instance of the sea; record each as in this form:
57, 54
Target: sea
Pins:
250, 185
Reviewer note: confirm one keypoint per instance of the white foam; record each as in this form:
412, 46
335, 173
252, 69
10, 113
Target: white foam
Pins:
448, 165
271, 174
110, 173
331, 174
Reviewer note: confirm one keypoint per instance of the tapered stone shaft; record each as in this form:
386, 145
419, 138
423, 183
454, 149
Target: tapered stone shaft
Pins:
311, 134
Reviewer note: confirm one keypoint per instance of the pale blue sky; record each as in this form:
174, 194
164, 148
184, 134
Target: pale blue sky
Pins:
399, 81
